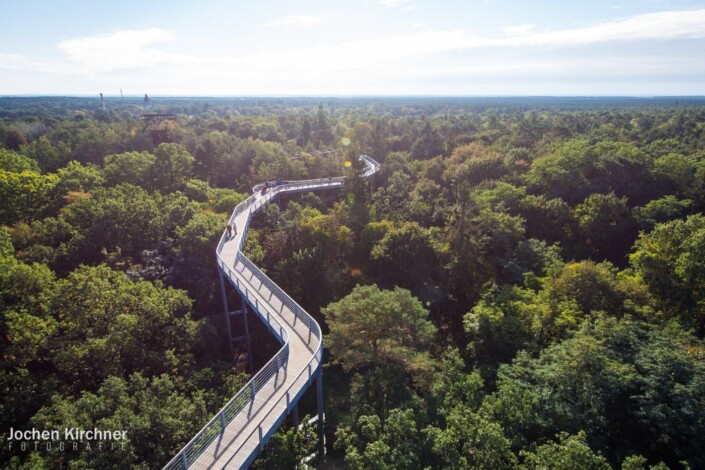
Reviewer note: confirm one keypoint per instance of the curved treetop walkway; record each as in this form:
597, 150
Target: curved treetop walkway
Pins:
237, 433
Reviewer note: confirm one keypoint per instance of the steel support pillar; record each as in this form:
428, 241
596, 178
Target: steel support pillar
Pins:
228, 323
247, 335
319, 402
226, 311
295, 414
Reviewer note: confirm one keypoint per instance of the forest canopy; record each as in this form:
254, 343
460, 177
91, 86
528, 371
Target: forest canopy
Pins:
522, 285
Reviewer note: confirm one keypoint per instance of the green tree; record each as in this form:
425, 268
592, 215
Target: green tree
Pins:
661, 210
196, 268
321, 129
288, 448
16, 163
622, 381
392, 201
469, 440
670, 260
26, 326
679, 172
306, 133
113, 326
49, 156
24, 195
78, 178
14, 139
114, 220
570, 453
407, 256
150, 410
172, 168
466, 438
373, 444
428, 144
606, 225
131, 167
377, 330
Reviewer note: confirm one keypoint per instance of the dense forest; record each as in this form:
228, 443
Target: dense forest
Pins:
522, 285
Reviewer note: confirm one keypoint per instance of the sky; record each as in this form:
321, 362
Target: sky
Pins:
353, 47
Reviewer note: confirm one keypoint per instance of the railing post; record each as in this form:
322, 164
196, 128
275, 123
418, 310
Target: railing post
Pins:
259, 429
222, 421
184, 460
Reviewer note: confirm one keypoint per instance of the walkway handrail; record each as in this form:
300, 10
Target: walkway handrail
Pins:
235, 405
291, 397
246, 396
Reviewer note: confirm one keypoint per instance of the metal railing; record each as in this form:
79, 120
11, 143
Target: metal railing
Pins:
275, 369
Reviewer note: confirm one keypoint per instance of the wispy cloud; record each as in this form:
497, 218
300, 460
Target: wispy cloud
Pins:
129, 49
653, 26
295, 20
355, 62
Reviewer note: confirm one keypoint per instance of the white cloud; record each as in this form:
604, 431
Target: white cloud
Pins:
519, 29
392, 3
22, 63
662, 25
15, 62
296, 20
120, 50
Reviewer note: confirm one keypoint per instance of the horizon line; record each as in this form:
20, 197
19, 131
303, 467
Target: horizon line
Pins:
342, 95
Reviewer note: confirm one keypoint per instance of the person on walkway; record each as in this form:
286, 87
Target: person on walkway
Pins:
229, 228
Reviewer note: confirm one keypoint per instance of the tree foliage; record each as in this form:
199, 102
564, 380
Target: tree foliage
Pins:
487, 298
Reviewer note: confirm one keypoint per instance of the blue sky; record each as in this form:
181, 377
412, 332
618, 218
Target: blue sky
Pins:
361, 47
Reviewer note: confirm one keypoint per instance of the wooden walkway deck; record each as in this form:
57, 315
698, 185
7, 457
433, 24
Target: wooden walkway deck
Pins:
241, 436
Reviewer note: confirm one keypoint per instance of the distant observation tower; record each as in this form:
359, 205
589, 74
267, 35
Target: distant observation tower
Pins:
157, 124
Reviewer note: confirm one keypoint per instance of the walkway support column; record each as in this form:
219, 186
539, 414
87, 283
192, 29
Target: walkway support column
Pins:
295, 414
319, 401
226, 312
247, 335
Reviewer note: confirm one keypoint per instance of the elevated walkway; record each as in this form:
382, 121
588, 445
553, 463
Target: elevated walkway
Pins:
239, 431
